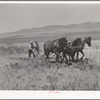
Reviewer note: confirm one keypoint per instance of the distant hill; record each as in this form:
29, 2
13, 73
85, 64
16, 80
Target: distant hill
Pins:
53, 31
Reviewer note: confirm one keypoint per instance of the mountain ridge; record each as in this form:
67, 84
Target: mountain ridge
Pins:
69, 26
54, 31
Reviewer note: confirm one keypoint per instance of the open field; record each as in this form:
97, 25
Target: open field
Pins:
21, 23
18, 72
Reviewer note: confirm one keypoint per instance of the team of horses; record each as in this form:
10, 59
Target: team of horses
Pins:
66, 48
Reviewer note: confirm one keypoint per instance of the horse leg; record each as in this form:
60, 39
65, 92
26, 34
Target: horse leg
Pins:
37, 50
77, 55
57, 56
73, 57
47, 56
82, 55
29, 53
70, 57
34, 55
65, 58
62, 59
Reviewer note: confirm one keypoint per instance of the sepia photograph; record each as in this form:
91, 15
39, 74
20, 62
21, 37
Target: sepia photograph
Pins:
50, 47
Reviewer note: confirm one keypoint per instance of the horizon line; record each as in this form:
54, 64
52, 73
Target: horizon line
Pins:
49, 25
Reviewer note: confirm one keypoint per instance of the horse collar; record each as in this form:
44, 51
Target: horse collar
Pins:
57, 44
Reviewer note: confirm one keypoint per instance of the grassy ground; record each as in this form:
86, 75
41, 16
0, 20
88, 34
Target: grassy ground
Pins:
18, 72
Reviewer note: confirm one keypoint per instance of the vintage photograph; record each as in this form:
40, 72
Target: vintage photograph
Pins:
50, 47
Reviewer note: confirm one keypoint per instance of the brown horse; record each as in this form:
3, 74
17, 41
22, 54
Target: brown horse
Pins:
70, 51
76, 46
80, 43
55, 46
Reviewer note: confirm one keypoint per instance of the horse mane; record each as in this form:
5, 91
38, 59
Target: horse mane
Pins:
59, 41
86, 38
76, 41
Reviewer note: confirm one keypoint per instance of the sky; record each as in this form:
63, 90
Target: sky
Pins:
14, 17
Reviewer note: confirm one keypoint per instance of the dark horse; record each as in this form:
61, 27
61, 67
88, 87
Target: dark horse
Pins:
76, 46
55, 46
80, 43
70, 51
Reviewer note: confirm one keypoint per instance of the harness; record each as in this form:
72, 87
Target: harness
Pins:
56, 43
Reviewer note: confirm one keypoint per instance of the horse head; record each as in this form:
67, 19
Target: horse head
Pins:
63, 42
88, 41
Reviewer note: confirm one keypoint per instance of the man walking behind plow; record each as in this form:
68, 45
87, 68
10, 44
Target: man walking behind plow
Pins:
33, 49
36, 46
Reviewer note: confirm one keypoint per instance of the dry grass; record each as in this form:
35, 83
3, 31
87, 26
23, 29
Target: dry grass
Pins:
18, 72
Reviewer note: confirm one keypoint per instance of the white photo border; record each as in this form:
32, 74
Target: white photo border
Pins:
5, 94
